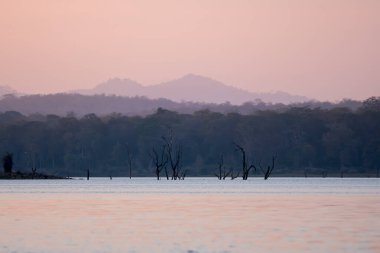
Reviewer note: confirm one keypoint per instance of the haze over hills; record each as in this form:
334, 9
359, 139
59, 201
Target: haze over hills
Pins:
5, 90
80, 105
190, 87
188, 94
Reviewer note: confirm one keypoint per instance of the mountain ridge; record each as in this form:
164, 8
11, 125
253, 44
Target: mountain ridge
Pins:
190, 88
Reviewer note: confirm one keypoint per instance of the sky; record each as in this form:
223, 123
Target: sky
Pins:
322, 49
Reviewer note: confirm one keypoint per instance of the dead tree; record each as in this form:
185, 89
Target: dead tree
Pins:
174, 155
166, 173
34, 170
234, 176
220, 166
226, 174
222, 173
245, 167
129, 163
269, 169
175, 163
159, 161
8, 163
182, 175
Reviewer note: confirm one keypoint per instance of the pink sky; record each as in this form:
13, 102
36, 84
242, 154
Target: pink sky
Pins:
324, 49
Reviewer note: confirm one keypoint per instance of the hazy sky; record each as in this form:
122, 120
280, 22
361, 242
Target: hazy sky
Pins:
325, 49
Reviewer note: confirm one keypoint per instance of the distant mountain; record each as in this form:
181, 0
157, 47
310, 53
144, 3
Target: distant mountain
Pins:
203, 89
115, 86
191, 87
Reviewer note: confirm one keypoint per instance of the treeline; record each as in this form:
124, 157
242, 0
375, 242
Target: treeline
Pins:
101, 105
305, 142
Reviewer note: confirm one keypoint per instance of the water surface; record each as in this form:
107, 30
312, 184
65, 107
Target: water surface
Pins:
194, 215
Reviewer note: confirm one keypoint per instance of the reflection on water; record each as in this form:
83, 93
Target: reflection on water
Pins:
195, 215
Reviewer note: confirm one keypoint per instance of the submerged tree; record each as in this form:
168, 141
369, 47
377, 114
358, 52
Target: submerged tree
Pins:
160, 161
268, 171
233, 176
34, 170
182, 175
222, 173
130, 163
246, 168
174, 155
8, 163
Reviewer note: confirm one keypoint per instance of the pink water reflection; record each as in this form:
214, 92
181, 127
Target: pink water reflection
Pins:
181, 223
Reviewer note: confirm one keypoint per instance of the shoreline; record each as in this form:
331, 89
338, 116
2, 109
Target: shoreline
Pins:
22, 175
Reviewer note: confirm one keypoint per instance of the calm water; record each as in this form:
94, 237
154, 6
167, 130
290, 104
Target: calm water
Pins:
195, 215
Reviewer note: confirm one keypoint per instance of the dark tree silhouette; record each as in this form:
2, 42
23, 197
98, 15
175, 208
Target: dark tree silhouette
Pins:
8, 163
245, 167
372, 103
269, 169
130, 163
222, 173
220, 167
174, 155
328, 137
166, 173
182, 175
34, 170
233, 176
160, 161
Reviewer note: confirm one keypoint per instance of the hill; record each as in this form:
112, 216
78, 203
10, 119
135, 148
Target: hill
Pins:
6, 90
190, 87
62, 104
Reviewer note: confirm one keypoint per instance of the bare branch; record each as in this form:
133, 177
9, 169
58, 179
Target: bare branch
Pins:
270, 169
220, 167
234, 176
159, 161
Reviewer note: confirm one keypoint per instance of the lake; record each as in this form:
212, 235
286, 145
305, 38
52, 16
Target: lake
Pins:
194, 215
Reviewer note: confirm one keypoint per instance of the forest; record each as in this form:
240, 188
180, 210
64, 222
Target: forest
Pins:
102, 105
336, 142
